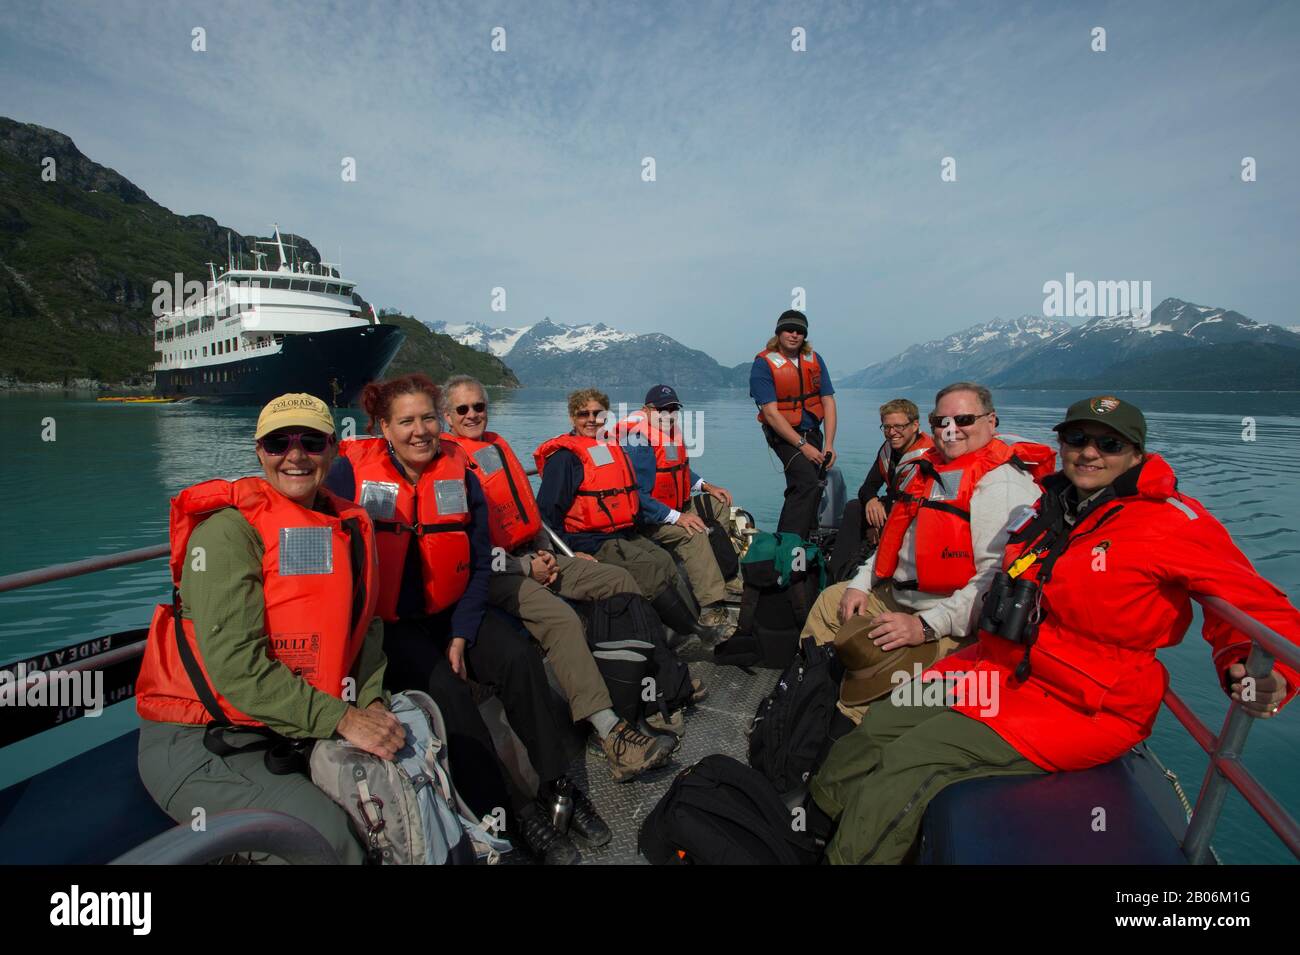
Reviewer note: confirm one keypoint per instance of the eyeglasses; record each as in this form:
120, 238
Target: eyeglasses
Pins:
1106, 443
478, 406
887, 428
584, 413
961, 420
312, 442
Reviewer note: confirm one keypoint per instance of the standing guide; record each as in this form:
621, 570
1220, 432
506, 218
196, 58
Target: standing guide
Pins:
792, 388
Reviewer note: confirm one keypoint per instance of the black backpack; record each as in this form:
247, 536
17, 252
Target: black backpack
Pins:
628, 644
790, 734
724, 552
721, 812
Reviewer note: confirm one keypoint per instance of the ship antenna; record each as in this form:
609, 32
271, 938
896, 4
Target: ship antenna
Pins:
230, 257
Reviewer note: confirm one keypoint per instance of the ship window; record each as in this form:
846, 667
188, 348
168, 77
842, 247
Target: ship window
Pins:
158, 336
234, 344
298, 285
279, 283
332, 288
318, 286
346, 290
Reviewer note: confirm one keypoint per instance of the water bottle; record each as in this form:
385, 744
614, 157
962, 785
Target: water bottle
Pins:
561, 810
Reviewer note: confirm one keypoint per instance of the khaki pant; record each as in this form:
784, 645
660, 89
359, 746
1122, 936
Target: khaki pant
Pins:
181, 776
823, 624
649, 564
878, 780
556, 627
697, 558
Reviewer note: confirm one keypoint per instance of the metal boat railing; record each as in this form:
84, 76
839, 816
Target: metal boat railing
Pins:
1224, 750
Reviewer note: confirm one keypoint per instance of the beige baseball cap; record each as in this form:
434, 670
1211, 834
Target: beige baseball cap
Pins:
294, 410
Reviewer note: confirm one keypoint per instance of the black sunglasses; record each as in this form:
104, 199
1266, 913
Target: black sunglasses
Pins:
278, 445
478, 406
961, 420
1106, 443
589, 414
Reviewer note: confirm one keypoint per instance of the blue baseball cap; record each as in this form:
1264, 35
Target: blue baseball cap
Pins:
661, 396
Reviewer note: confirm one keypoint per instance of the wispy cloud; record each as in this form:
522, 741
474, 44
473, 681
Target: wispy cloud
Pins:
819, 169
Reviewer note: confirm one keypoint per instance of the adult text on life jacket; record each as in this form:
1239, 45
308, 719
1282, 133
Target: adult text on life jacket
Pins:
672, 486
798, 385
319, 586
937, 500
435, 510
606, 500
513, 518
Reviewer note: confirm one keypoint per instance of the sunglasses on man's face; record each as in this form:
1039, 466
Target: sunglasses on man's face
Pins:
278, 445
1106, 443
478, 406
586, 413
961, 420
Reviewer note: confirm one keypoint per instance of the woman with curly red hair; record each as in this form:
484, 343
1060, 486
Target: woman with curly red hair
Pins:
431, 531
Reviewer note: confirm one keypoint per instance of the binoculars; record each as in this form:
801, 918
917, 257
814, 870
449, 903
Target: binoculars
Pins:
1009, 606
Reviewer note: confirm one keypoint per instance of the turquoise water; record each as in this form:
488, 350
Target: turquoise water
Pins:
103, 484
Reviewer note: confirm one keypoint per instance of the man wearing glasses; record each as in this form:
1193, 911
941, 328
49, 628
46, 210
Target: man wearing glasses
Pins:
896, 462
913, 600
652, 439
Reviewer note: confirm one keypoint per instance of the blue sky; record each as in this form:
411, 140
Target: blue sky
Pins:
774, 168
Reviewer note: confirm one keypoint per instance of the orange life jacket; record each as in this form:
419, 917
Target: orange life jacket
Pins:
513, 518
938, 500
907, 464
606, 500
317, 608
672, 465
436, 510
798, 385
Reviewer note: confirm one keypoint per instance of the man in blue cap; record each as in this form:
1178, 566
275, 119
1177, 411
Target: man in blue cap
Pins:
654, 443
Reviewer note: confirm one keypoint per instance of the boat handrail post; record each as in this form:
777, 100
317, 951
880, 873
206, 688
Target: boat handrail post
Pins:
1228, 747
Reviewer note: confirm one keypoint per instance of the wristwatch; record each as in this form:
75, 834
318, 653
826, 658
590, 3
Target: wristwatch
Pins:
803, 439
930, 635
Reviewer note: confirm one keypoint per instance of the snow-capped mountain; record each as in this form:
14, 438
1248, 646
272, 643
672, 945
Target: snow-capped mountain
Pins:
1160, 350
1087, 351
979, 351
549, 354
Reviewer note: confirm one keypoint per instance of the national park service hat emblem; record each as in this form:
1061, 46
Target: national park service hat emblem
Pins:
1104, 404
1123, 418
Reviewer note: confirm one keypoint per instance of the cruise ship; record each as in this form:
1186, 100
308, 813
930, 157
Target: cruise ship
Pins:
257, 333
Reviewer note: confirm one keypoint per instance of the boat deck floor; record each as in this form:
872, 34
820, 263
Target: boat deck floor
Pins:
715, 725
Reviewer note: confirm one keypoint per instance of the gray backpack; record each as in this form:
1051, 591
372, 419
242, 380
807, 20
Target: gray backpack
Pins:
407, 811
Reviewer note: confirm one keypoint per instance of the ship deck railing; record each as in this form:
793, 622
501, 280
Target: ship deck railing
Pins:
1224, 749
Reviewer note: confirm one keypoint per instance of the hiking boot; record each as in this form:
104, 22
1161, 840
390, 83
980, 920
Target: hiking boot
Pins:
674, 725
715, 625
631, 752
543, 840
